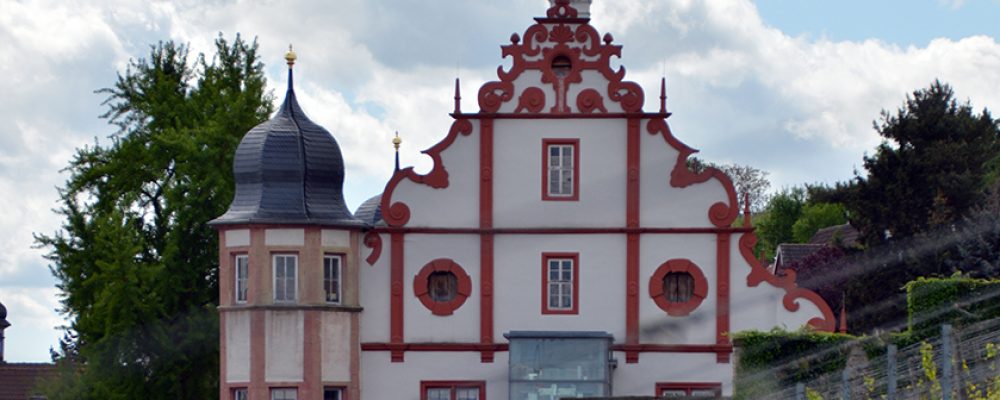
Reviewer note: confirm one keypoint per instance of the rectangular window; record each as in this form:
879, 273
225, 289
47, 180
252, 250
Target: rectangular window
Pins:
331, 278
240, 394
242, 264
560, 283
284, 394
452, 390
333, 393
285, 277
688, 389
560, 169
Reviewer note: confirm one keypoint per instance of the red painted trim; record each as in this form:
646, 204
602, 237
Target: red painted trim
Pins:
398, 213
396, 293
442, 308
311, 356
759, 273
560, 231
258, 354
355, 385
632, 168
575, 309
424, 385
589, 101
568, 37
722, 292
486, 239
478, 347
224, 265
373, 241
525, 115
545, 169
720, 214
444, 347
688, 387
678, 309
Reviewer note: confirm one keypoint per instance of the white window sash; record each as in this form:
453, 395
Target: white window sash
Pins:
332, 277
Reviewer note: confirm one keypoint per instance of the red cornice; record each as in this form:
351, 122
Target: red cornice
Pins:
478, 347
562, 231
583, 115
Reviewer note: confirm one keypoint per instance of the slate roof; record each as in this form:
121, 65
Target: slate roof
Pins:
370, 212
788, 253
18, 379
845, 235
289, 170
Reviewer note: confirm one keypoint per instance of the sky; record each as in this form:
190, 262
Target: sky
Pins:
791, 87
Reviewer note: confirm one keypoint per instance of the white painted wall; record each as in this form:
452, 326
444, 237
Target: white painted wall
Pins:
382, 379
662, 205
335, 238
237, 237
373, 284
454, 206
655, 325
284, 237
640, 379
237, 346
517, 174
335, 346
419, 324
283, 343
517, 274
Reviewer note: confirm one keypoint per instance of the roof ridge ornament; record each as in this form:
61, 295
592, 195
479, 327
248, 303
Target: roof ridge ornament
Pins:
290, 56
569, 9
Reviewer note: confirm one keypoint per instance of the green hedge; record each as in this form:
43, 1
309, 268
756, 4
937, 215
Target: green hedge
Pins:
771, 360
959, 301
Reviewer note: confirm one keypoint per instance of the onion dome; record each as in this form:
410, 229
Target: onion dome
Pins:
370, 212
289, 170
3, 317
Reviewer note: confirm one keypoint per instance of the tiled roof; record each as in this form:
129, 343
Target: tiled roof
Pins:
289, 170
18, 379
370, 212
789, 253
845, 235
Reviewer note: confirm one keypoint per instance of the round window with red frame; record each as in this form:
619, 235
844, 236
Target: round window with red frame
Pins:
678, 287
442, 286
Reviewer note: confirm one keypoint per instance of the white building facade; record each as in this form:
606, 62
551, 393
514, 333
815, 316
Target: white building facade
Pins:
558, 247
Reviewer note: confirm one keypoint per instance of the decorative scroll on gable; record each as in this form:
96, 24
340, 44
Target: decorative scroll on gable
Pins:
562, 66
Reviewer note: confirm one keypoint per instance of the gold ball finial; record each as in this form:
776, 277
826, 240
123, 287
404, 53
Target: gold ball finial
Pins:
290, 56
396, 141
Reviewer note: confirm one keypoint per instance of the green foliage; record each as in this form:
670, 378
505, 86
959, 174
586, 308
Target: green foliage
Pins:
930, 170
815, 217
775, 359
135, 259
782, 211
931, 302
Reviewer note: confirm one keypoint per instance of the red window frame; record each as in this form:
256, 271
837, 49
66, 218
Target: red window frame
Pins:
424, 385
575, 306
422, 291
575, 143
661, 298
688, 387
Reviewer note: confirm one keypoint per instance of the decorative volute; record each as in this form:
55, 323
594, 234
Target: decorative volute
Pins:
289, 170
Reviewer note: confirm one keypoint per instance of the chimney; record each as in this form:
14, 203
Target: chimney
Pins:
3, 325
582, 7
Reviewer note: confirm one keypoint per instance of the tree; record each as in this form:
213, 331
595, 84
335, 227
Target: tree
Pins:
750, 182
774, 226
814, 217
135, 259
930, 170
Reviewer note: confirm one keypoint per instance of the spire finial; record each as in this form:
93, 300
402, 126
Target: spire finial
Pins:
290, 56
396, 141
663, 95
458, 98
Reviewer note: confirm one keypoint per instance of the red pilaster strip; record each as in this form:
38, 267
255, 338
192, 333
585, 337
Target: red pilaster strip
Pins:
224, 293
354, 389
258, 388
722, 295
486, 240
632, 247
396, 293
311, 356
